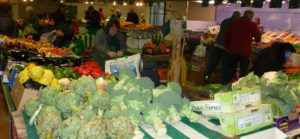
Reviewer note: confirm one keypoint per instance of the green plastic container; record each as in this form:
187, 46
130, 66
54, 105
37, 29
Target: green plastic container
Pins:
77, 46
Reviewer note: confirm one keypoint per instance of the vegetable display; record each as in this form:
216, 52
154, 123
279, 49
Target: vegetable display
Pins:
83, 110
90, 68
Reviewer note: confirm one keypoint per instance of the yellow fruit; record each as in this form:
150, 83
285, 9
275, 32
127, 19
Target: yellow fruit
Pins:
47, 78
23, 76
36, 72
54, 82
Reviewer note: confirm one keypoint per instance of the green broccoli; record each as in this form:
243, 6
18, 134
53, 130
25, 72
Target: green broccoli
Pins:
113, 111
47, 125
132, 114
120, 127
85, 87
136, 100
86, 112
175, 87
126, 74
183, 108
95, 128
48, 95
155, 114
109, 88
117, 97
169, 100
159, 90
72, 85
70, 127
101, 100
67, 102
31, 105
146, 83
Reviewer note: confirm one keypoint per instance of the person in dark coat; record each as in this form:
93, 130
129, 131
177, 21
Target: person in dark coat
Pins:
219, 52
61, 13
92, 17
238, 41
272, 58
132, 17
8, 26
109, 43
62, 30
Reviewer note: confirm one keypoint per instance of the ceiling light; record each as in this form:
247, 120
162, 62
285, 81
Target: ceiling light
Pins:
239, 2
92, 2
124, 3
114, 3
268, 0
25, 0
211, 2
61, 1
31, 0
199, 1
283, 2
86, 2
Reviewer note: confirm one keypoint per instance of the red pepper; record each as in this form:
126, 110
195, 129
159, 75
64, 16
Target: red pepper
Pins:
75, 68
97, 74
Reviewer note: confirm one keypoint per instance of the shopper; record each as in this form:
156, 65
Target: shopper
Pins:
259, 25
142, 19
109, 43
61, 13
219, 52
92, 17
238, 39
8, 26
62, 31
101, 14
272, 58
30, 24
132, 17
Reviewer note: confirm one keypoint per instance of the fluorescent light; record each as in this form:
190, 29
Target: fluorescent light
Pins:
61, 1
124, 3
31, 0
92, 2
239, 2
211, 2
86, 2
25, 0
268, 0
199, 1
224, 2
114, 3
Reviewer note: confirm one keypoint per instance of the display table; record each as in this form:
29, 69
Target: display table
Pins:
184, 129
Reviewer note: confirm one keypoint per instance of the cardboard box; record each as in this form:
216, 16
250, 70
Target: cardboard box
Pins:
282, 123
20, 94
247, 120
239, 100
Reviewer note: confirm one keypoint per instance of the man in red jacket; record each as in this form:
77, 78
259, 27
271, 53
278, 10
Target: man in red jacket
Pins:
238, 39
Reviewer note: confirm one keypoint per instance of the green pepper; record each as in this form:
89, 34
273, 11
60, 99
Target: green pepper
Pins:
18, 68
59, 73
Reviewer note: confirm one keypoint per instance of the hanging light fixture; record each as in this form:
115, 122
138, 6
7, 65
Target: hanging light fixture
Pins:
114, 3
86, 2
61, 1
199, 1
124, 3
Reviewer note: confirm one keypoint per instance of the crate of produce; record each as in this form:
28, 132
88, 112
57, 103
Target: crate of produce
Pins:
247, 120
238, 100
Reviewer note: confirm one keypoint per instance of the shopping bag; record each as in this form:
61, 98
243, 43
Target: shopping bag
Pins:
125, 63
49, 36
200, 50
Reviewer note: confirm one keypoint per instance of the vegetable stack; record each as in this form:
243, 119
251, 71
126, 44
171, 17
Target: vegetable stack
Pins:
90, 68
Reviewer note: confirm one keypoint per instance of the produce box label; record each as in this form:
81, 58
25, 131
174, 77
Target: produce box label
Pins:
245, 98
250, 121
239, 100
247, 120
200, 106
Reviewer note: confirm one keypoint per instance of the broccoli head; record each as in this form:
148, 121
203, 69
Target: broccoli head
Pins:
136, 100
146, 83
113, 111
169, 100
117, 97
31, 105
47, 125
101, 100
120, 127
175, 87
48, 95
126, 74
86, 112
155, 114
70, 127
159, 90
109, 88
85, 85
184, 110
132, 114
72, 84
65, 102
95, 128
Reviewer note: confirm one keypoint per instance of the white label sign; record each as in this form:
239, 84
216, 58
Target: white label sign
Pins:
200, 106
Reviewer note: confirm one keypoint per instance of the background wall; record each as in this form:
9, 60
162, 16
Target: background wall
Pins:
40, 7
271, 18
195, 11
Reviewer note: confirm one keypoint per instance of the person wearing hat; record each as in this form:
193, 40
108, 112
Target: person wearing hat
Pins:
92, 17
109, 43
